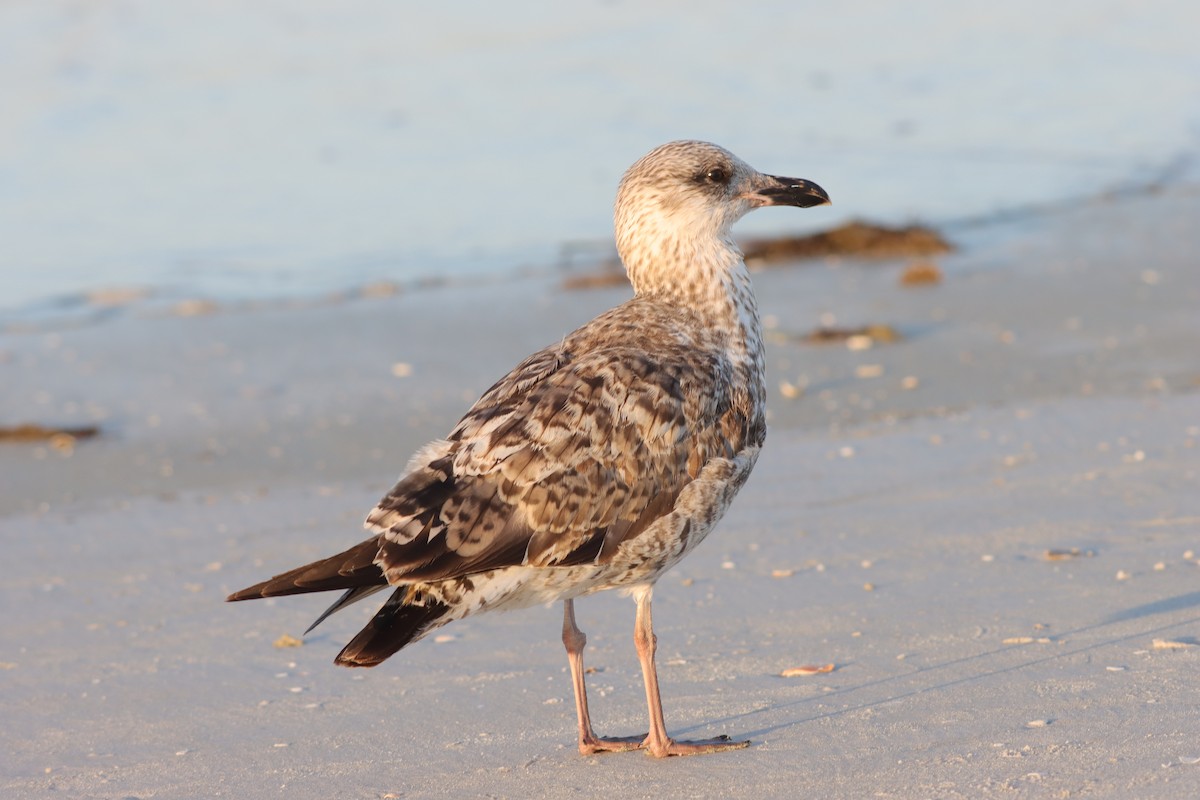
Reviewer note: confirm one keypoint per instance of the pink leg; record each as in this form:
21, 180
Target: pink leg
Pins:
658, 743
574, 640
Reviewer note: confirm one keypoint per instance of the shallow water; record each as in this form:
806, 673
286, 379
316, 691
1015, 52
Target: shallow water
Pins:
292, 148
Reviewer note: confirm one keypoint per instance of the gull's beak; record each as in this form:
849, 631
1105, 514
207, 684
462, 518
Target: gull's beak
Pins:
797, 192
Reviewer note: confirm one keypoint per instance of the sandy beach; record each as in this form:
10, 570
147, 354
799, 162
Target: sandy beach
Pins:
990, 528
256, 254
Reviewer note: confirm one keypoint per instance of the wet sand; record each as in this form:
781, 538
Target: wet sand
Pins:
990, 527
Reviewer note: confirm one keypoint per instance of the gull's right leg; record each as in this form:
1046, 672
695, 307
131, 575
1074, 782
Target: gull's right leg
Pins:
574, 640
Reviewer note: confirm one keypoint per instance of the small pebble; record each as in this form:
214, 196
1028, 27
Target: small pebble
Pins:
1170, 644
868, 370
859, 342
796, 672
790, 390
921, 273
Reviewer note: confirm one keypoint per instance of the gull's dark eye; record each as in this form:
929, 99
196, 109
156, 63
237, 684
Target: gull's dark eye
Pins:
718, 175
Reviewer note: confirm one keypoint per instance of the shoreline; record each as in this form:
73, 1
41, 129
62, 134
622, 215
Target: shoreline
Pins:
101, 302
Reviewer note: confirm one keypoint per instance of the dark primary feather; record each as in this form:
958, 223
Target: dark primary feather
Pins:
353, 568
396, 624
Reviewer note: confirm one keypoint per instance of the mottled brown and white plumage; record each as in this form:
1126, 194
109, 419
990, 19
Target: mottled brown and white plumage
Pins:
598, 462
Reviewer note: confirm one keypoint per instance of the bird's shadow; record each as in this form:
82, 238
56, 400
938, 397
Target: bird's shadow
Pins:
1172, 604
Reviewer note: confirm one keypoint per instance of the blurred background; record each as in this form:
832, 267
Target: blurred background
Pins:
294, 147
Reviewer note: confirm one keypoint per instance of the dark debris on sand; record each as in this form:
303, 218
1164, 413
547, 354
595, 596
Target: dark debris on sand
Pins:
856, 239
880, 334
29, 432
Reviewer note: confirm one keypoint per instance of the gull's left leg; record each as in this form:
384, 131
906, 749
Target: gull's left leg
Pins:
574, 640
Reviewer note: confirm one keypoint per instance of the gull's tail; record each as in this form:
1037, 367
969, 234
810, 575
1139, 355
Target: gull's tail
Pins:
404, 618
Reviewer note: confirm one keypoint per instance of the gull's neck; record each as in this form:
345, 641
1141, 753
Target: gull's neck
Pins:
707, 276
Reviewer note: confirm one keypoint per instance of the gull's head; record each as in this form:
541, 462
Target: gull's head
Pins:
683, 197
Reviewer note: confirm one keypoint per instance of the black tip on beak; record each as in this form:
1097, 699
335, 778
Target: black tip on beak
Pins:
790, 192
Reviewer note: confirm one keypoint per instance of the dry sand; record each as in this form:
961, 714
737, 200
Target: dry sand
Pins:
1044, 398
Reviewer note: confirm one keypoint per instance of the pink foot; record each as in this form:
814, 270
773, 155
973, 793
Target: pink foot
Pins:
609, 744
670, 747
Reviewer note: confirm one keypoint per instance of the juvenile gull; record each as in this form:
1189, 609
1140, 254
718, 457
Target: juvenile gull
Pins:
598, 462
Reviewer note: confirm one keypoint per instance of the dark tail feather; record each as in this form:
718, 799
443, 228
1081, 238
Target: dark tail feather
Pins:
351, 596
395, 625
353, 569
